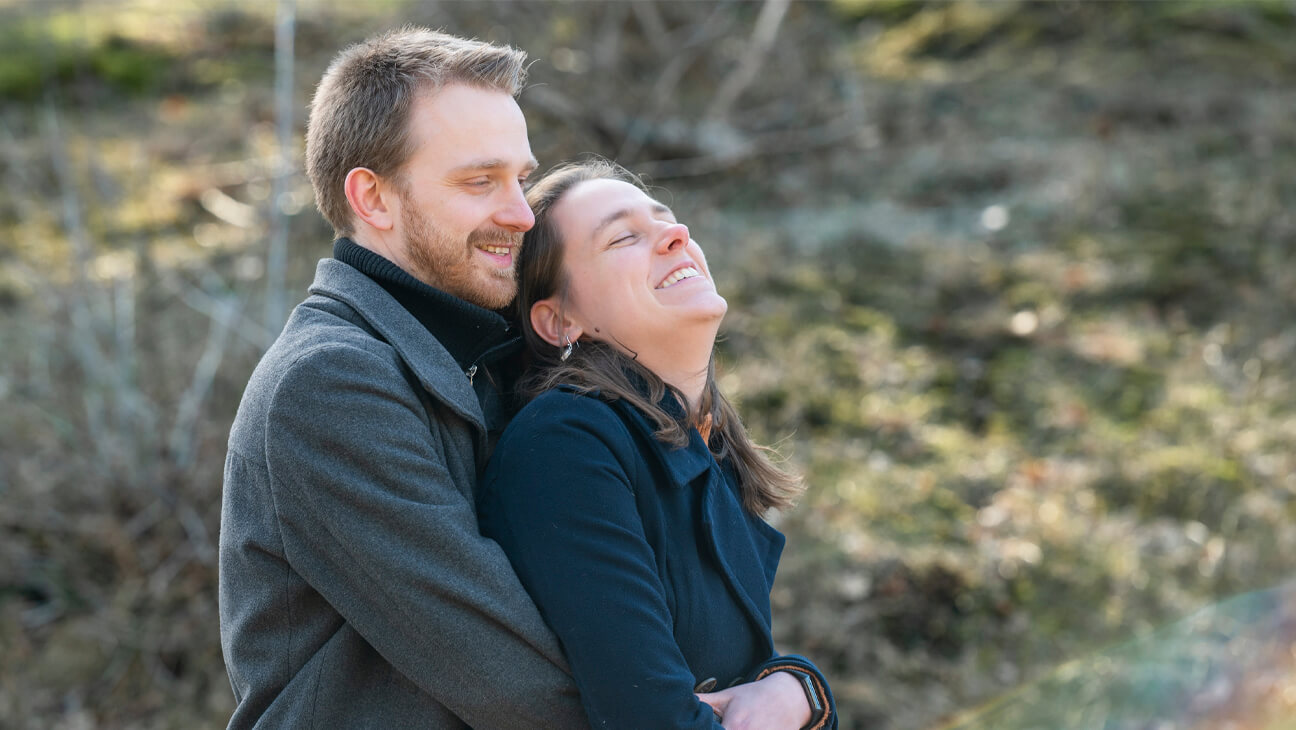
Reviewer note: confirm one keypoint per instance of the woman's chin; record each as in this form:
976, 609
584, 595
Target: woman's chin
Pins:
712, 305
709, 315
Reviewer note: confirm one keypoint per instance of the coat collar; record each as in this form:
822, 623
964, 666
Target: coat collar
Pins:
434, 367
682, 464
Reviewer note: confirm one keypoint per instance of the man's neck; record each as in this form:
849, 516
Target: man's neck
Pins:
466, 330
386, 247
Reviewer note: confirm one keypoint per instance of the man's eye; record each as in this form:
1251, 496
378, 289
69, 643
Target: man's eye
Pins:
627, 238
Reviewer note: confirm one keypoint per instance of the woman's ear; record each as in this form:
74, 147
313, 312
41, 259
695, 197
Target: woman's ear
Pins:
550, 325
370, 199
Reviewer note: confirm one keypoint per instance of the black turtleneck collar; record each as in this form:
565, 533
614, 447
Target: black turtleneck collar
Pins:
466, 330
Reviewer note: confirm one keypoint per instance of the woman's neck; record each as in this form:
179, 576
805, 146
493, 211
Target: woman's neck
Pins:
684, 365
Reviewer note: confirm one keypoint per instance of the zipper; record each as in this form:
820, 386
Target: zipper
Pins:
472, 369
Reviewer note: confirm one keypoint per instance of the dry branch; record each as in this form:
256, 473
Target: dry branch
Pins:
183, 432
762, 41
84, 336
277, 255
666, 87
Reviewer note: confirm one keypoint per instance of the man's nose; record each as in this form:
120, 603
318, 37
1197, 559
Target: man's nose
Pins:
675, 235
516, 215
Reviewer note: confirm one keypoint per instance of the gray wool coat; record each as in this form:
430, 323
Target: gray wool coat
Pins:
355, 588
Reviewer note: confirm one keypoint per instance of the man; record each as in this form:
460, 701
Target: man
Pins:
355, 590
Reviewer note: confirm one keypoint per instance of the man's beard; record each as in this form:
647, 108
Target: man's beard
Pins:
448, 263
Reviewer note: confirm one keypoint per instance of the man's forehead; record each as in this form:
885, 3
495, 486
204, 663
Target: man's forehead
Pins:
477, 125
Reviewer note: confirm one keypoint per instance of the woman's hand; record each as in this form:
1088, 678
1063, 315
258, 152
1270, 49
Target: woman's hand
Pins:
776, 702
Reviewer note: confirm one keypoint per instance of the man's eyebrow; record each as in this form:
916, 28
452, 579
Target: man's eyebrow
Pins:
617, 215
494, 163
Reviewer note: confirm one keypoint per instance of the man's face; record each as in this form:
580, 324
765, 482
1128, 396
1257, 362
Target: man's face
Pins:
462, 212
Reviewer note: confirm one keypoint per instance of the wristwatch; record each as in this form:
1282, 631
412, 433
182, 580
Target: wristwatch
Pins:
817, 710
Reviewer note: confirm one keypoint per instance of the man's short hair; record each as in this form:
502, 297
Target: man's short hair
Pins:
360, 114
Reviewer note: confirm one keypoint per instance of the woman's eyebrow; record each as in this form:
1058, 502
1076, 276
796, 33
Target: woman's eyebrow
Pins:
617, 215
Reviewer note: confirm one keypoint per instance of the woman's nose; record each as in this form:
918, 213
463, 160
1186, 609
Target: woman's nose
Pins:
675, 235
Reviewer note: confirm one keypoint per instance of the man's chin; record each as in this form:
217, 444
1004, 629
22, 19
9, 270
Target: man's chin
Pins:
494, 297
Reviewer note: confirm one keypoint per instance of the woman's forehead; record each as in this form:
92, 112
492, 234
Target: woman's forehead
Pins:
592, 205
607, 191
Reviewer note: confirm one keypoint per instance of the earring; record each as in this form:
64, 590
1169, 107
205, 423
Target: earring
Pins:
567, 351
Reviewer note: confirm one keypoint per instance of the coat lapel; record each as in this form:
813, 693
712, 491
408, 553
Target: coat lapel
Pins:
745, 547
424, 356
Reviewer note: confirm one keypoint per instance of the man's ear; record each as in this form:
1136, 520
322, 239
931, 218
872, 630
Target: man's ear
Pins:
370, 199
552, 327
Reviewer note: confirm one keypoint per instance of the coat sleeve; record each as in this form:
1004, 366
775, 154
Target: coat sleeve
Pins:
801, 665
558, 497
372, 520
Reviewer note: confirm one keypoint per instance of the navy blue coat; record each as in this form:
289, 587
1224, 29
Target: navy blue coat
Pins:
639, 556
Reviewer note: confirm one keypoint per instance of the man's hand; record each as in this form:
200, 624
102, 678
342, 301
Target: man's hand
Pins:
776, 702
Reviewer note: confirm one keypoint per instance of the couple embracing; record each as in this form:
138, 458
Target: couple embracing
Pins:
401, 546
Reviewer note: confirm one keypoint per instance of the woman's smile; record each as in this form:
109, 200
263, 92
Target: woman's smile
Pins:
686, 271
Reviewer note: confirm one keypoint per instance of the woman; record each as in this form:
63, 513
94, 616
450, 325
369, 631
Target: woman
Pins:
627, 493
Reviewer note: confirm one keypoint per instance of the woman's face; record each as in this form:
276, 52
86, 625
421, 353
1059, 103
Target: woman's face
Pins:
635, 278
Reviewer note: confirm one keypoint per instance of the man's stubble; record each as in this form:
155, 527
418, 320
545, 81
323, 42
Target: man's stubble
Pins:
450, 264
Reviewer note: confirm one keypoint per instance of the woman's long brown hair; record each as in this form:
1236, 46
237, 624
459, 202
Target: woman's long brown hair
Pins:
598, 366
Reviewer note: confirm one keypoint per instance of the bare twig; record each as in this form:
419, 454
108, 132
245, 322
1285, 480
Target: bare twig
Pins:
229, 210
654, 27
681, 59
277, 255
43, 520
84, 340
767, 145
762, 40
607, 49
600, 121
199, 299
196, 530
125, 407
17, 172
161, 576
183, 431
145, 519
231, 173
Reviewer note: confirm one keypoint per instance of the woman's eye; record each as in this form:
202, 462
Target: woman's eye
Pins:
627, 238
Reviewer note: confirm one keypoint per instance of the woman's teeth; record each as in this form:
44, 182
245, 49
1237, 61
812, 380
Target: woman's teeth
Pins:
687, 272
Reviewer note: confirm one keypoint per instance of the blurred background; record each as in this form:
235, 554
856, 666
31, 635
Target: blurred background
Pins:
1011, 283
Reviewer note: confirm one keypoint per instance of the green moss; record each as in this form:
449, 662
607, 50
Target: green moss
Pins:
39, 60
1183, 483
889, 10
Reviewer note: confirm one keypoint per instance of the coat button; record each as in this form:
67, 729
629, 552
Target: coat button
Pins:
705, 685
